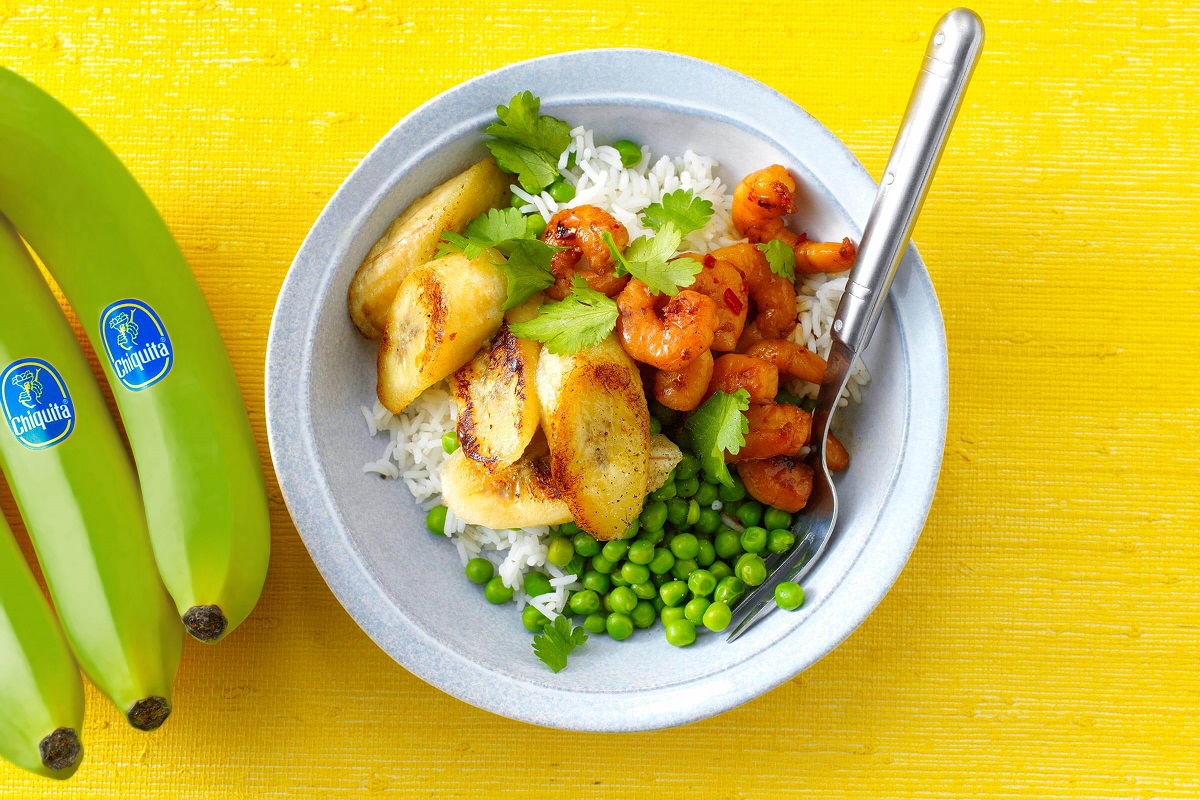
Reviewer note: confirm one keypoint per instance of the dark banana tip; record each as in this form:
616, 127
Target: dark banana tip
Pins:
61, 749
149, 714
206, 623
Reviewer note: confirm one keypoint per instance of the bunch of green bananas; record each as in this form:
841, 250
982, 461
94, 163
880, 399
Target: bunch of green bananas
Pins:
115, 547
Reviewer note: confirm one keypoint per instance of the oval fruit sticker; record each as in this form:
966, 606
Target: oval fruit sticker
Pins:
137, 344
36, 403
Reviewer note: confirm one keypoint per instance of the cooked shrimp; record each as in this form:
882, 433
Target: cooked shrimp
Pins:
761, 201
774, 297
836, 454
732, 372
784, 482
665, 332
581, 230
790, 359
775, 430
814, 257
683, 390
725, 284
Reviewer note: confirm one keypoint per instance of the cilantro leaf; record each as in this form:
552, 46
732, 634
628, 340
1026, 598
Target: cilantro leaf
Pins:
527, 269
558, 640
718, 427
489, 229
781, 258
682, 208
646, 259
583, 319
527, 143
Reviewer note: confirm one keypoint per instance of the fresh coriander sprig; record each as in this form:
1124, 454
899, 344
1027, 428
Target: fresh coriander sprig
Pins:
527, 143
527, 270
646, 259
489, 229
682, 209
527, 267
558, 640
781, 258
719, 426
582, 319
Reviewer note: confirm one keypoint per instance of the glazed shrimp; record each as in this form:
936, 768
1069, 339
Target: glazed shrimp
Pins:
790, 359
761, 201
774, 297
783, 481
733, 371
665, 332
813, 257
581, 230
725, 284
683, 390
775, 430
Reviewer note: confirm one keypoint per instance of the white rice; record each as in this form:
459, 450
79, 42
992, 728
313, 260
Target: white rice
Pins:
414, 453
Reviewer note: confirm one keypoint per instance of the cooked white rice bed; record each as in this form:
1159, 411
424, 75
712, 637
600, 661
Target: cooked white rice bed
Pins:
414, 451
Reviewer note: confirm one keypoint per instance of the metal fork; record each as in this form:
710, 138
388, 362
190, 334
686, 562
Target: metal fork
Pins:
949, 61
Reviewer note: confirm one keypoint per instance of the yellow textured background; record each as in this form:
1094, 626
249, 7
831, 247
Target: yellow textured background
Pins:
1045, 637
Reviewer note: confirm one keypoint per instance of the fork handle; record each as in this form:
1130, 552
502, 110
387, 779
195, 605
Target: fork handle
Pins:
950, 59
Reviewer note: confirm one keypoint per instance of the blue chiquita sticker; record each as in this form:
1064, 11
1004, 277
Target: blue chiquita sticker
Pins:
137, 344
37, 405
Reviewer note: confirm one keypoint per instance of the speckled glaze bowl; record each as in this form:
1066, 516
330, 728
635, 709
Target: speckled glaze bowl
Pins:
405, 588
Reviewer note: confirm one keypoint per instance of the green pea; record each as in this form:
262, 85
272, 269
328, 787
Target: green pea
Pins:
719, 570
516, 201
808, 404
617, 579
594, 623
731, 494
561, 191
615, 550
673, 592
537, 584
645, 591
655, 426
571, 160
753, 571
662, 562
728, 543
585, 602
435, 520
780, 541
687, 487
658, 604
754, 539
622, 599
707, 554
631, 154
479, 570
619, 626
749, 513
532, 619
585, 545
449, 441
569, 528
685, 545
605, 606
786, 398
789, 595
602, 565
653, 537
681, 632
706, 495
670, 614
667, 416
654, 516
576, 566
717, 616
643, 614
632, 530
535, 226
683, 568
496, 592
560, 551
641, 552
694, 610
729, 590
702, 583
709, 521
677, 509
598, 582
776, 518
635, 573
665, 492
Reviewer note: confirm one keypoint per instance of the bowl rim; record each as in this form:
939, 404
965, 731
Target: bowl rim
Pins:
306, 492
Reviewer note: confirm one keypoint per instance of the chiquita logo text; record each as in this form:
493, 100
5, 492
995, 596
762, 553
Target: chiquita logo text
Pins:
137, 344
37, 405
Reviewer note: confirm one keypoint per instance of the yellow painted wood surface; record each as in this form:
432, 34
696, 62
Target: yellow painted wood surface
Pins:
1044, 639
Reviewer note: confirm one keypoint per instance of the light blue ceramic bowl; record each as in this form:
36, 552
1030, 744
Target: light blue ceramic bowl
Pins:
405, 588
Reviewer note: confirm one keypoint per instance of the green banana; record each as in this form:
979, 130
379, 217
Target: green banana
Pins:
79, 497
41, 695
127, 280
